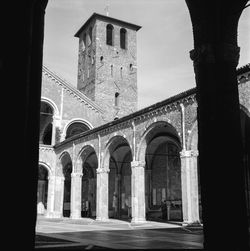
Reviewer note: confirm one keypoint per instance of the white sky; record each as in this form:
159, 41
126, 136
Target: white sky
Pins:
163, 43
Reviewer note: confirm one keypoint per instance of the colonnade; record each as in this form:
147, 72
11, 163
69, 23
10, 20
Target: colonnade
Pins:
189, 182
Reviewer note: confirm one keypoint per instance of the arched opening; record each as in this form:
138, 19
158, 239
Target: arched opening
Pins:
67, 170
163, 197
245, 129
76, 128
120, 179
46, 123
123, 34
109, 34
89, 166
42, 190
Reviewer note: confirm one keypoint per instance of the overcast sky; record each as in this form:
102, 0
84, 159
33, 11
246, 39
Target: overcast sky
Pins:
163, 43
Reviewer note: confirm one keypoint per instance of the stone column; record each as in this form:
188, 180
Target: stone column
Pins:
189, 187
76, 195
102, 195
58, 197
51, 196
138, 191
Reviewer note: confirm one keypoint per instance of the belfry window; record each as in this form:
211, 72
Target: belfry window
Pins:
109, 34
123, 33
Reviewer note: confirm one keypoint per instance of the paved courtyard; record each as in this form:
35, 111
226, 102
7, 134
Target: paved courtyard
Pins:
67, 234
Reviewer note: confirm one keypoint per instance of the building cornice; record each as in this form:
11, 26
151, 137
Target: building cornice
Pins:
95, 16
166, 105
77, 94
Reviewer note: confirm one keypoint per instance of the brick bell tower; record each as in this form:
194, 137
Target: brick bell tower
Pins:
107, 71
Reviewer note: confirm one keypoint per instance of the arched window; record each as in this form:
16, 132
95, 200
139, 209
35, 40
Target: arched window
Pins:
109, 34
76, 128
123, 33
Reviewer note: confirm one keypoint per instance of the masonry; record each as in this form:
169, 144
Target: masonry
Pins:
108, 161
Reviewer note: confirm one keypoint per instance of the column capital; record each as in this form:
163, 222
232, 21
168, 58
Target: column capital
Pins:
76, 175
102, 170
60, 177
51, 177
137, 163
206, 53
189, 153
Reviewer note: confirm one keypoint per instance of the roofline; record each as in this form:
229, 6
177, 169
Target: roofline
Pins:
73, 89
130, 116
170, 100
243, 69
103, 17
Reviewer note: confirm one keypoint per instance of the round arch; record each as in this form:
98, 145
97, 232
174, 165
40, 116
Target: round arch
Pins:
52, 104
44, 173
85, 150
169, 129
113, 141
76, 120
42, 163
65, 171
87, 164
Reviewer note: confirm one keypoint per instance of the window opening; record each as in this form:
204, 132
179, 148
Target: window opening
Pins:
123, 38
109, 34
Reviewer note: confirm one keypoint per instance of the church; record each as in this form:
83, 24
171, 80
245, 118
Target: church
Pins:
101, 157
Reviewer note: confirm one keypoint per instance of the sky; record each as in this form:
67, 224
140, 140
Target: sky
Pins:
164, 68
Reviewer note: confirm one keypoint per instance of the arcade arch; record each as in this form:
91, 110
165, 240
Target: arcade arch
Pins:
118, 160
42, 188
66, 164
160, 149
88, 165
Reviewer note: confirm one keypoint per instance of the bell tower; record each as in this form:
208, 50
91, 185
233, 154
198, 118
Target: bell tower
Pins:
107, 69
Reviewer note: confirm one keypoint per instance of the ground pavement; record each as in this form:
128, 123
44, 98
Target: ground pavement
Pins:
86, 233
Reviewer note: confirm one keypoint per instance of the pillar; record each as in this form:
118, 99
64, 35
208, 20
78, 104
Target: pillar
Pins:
138, 191
102, 192
76, 195
58, 197
51, 196
189, 186
215, 58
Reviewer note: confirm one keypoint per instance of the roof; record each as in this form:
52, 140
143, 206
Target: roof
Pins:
167, 101
95, 16
243, 69
76, 92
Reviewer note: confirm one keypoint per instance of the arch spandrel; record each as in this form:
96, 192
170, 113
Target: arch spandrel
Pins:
192, 138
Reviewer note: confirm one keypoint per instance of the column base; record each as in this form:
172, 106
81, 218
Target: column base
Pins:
75, 216
138, 220
55, 215
102, 219
191, 224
